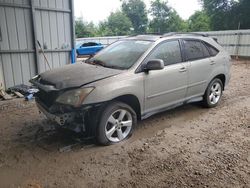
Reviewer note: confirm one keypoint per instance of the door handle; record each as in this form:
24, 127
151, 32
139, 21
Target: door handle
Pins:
183, 69
212, 62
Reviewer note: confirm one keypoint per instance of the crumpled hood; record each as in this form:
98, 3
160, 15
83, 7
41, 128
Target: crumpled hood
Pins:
75, 75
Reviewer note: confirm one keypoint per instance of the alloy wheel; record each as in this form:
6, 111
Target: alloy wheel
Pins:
118, 125
215, 93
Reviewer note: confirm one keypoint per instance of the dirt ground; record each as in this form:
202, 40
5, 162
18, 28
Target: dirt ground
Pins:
186, 147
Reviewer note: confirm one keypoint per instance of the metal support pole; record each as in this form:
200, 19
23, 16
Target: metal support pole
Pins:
237, 45
238, 42
73, 29
34, 31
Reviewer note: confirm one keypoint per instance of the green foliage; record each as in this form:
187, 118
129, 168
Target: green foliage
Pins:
199, 21
242, 14
227, 14
218, 11
136, 11
164, 18
103, 29
133, 19
84, 29
117, 24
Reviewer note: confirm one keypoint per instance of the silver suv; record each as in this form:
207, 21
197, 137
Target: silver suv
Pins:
131, 80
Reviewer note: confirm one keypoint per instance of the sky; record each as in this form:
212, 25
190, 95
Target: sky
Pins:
98, 10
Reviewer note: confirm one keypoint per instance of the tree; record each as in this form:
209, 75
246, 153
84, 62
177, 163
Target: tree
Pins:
84, 29
164, 18
176, 23
103, 29
222, 13
242, 14
117, 24
199, 21
136, 11
228, 14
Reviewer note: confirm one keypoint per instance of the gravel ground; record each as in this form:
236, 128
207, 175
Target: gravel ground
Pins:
186, 147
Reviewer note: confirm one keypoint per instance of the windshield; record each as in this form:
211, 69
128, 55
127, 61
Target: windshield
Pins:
121, 54
78, 45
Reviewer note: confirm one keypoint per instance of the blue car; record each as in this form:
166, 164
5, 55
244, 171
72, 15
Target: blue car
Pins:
89, 48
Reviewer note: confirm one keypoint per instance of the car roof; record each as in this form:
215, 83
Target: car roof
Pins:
155, 37
144, 37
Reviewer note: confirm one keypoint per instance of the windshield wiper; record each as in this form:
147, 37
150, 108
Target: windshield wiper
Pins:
101, 63
95, 62
115, 67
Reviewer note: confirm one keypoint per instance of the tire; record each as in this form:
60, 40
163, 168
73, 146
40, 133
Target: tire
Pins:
213, 93
111, 128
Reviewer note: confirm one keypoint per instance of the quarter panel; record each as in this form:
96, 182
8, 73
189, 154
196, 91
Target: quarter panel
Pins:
221, 61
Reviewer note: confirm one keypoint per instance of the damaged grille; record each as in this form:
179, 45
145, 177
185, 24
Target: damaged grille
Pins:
45, 82
47, 98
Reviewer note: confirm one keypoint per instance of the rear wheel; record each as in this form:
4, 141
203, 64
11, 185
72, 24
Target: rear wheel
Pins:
213, 93
116, 123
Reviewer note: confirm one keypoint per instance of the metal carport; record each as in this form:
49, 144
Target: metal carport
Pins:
22, 23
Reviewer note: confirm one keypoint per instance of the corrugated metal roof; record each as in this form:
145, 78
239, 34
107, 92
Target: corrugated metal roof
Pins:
53, 25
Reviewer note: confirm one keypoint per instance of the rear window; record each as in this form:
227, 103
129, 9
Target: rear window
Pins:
194, 50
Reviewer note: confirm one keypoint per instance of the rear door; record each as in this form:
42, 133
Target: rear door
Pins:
200, 66
168, 86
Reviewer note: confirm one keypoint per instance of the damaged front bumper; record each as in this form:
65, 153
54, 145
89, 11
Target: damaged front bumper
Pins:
60, 119
67, 117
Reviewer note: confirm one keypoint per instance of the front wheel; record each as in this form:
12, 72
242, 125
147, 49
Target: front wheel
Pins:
116, 123
213, 93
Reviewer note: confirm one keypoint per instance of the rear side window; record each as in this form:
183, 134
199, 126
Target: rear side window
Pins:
169, 52
205, 50
194, 50
213, 51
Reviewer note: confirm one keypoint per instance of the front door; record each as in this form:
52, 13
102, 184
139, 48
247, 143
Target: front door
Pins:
168, 86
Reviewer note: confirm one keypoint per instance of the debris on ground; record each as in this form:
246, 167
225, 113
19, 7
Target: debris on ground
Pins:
5, 95
18, 91
190, 146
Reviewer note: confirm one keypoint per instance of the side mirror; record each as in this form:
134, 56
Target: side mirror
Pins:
154, 64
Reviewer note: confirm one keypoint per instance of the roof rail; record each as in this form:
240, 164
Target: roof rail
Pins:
184, 33
152, 33
141, 34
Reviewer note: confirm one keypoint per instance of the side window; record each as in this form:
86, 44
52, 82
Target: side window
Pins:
92, 44
195, 50
169, 52
213, 50
85, 44
88, 44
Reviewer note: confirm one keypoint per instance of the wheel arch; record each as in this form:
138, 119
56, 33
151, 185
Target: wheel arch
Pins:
222, 77
132, 101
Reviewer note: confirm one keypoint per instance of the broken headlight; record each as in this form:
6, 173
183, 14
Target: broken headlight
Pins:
74, 97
